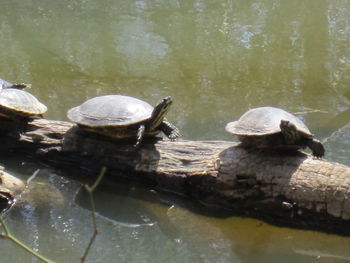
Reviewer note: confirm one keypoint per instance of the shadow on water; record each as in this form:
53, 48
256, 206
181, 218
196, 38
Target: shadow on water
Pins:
191, 225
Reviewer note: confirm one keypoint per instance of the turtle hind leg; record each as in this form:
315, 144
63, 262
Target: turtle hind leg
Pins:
169, 130
316, 147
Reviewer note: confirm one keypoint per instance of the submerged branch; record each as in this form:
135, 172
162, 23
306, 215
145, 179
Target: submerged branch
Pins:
90, 191
13, 239
15, 187
8, 235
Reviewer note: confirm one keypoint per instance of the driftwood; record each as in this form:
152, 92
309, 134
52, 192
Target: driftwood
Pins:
10, 187
290, 188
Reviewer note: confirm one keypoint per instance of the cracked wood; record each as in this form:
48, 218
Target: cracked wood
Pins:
282, 187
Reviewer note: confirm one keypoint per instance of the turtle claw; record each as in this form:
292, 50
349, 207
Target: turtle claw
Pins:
316, 147
170, 130
174, 135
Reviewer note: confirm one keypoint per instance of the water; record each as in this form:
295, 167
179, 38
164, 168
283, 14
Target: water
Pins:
216, 59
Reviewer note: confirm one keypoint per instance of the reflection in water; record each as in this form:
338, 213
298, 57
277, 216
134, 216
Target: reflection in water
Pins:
139, 225
223, 57
144, 51
216, 59
126, 211
318, 254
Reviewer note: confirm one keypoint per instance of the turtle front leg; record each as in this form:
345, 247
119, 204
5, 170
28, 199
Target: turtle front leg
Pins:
140, 134
316, 147
169, 130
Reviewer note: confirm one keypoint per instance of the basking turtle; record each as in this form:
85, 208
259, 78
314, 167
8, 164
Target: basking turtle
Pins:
270, 127
19, 103
7, 85
121, 116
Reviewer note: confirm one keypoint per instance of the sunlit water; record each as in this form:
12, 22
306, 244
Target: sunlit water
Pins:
216, 59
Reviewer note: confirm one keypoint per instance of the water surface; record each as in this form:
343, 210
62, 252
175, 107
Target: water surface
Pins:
216, 59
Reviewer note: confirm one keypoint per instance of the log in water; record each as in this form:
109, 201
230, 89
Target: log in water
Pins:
288, 188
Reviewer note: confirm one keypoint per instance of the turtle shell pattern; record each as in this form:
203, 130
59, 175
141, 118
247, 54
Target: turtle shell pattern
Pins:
20, 102
264, 121
111, 110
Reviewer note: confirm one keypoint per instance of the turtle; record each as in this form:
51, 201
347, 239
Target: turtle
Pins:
7, 85
122, 117
274, 128
17, 103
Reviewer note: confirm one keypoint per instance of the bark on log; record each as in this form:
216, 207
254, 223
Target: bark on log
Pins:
291, 189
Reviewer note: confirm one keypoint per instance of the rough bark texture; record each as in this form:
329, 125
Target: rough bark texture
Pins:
10, 186
292, 188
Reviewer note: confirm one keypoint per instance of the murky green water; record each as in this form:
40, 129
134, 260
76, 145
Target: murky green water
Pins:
216, 59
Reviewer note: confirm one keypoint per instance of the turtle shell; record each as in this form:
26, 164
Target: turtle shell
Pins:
20, 102
111, 110
264, 121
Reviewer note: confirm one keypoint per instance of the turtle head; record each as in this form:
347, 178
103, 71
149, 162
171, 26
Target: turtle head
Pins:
159, 112
289, 132
21, 86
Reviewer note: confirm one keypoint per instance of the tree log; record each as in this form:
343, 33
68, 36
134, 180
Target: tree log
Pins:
285, 188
